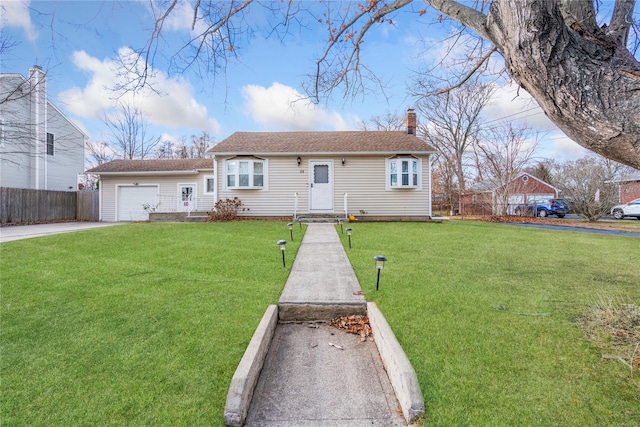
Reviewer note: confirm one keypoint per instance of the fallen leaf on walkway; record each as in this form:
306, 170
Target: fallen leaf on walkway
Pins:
357, 292
336, 346
354, 324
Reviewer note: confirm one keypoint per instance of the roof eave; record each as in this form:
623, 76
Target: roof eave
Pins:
322, 153
134, 173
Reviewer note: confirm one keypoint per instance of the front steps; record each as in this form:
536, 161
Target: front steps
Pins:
321, 218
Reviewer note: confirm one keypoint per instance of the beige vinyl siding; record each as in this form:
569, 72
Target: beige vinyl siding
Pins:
363, 178
283, 178
168, 191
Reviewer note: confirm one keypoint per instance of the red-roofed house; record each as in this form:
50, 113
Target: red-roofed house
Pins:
482, 198
385, 174
629, 188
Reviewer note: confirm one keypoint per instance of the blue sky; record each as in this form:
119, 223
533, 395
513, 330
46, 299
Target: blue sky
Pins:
77, 43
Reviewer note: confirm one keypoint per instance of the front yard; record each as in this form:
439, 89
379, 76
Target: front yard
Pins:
488, 315
144, 324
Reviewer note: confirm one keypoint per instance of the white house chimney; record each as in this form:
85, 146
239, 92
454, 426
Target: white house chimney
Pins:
38, 125
412, 120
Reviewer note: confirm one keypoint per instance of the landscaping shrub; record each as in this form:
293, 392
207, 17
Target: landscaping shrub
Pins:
226, 210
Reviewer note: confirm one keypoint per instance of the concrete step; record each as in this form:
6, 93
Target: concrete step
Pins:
321, 218
196, 218
318, 311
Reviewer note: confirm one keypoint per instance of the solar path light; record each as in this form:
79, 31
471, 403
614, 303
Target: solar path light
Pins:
290, 225
340, 222
282, 244
380, 259
349, 236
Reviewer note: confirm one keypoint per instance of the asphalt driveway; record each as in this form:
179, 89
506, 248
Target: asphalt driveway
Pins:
581, 229
18, 232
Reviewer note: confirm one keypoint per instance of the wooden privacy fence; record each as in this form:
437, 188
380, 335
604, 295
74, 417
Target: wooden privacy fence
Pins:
88, 208
24, 206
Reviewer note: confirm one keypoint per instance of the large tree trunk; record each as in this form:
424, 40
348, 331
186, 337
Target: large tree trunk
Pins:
583, 76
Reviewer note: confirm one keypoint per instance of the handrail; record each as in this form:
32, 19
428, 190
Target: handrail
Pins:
295, 205
346, 210
169, 203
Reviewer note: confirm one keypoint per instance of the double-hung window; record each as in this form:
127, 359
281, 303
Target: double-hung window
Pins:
403, 172
209, 184
245, 173
50, 144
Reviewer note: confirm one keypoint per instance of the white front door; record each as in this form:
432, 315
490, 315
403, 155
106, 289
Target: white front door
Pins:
186, 197
321, 185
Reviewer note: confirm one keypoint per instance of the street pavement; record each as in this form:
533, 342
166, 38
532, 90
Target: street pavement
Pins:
581, 229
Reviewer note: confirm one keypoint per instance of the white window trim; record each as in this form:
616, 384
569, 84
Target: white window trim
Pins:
251, 161
204, 185
398, 159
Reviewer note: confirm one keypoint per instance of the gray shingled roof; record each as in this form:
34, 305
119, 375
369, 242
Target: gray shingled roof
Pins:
339, 142
629, 178
157, 165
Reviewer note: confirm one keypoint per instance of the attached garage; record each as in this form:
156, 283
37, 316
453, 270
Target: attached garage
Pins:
164, 185
131, 200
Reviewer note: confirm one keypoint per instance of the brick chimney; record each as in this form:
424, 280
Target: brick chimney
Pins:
411, 121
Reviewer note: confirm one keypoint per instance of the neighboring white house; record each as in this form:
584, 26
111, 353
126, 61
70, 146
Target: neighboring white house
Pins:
380, 174
40, 148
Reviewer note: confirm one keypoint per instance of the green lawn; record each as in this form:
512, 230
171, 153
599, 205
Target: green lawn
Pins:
486, 314
140, 324
144, 324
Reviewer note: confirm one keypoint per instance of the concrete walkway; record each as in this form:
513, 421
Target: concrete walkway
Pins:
312, 374
322, 285
19, 232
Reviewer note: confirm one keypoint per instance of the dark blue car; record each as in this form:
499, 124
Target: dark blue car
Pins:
544, 207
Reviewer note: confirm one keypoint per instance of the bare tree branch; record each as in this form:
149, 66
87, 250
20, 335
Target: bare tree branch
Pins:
129, 132
471, 73
621, 21
465, 15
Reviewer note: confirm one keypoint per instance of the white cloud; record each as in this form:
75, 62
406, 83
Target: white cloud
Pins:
171, 105
560, 147
510, 104
170, 138
281, 107
514, 104
16, 14
180, 18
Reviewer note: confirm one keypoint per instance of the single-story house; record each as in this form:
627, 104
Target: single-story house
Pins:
380, 174
483, 198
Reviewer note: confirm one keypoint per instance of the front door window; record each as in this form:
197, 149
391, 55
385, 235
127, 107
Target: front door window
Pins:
186, 200
321, 186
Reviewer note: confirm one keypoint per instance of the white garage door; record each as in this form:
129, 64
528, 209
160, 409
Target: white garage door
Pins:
131, 201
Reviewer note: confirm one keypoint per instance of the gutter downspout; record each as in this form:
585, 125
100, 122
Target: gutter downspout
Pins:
215, 180
100, 199
430, 212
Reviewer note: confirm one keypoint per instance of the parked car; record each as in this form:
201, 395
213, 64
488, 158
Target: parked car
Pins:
544, 207
631, 209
